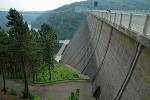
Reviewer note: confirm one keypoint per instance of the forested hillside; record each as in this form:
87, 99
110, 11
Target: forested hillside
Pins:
67, 18
121, 4
64, 23
3, 19
64, 20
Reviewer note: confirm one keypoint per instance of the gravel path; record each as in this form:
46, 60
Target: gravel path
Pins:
58, 91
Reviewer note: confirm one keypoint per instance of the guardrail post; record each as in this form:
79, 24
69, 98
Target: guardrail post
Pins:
146, 25
99, 14
121, 19
107, 15
110, 16
115, 18
130, 21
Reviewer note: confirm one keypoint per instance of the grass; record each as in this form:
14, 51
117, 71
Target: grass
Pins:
60, 72
10, 94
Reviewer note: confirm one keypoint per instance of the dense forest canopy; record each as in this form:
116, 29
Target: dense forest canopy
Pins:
64, 23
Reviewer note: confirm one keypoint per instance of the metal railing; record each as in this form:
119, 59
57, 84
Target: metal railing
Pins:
137, 22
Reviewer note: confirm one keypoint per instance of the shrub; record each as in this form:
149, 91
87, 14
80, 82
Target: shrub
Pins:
31, 95
24, 92
3, 89
74, 95
49, 98
13, 92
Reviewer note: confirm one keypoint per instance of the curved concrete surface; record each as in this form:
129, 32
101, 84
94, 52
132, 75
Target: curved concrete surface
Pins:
115, 58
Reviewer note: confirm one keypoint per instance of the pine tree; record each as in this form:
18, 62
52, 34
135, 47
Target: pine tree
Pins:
19, 34
4, 44
47, 39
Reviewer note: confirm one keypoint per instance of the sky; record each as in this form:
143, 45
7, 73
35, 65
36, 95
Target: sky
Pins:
34, 5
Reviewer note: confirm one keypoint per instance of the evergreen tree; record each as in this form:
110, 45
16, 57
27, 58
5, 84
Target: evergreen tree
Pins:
36, 58
47, 39
4, 44
19, 34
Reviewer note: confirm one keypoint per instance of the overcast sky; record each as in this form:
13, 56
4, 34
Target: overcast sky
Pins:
34, 5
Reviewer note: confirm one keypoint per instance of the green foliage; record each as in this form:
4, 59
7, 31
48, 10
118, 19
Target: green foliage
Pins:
120, 4
49, 98
20, 36
31, 95
64, 23
47, 42
67, 18
74, 95
24, 92
3, 19
60, 72
2, 88
13, 92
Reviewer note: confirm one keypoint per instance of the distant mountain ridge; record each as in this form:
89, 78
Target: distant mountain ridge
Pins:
121, 4
74, 13
67, 18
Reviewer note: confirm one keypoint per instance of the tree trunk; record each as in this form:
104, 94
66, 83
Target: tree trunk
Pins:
36, 75
3, 78
16, 71
49, 72
33, 76
25, 77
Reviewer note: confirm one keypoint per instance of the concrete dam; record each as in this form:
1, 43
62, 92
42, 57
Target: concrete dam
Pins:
113, 50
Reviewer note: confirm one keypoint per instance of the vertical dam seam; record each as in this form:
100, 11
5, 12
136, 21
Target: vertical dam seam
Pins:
104, 55
77, 46
89, 45
81, 48
94, 49
130, 72
77, 37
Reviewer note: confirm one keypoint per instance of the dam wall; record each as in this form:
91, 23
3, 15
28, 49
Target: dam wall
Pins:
116, 59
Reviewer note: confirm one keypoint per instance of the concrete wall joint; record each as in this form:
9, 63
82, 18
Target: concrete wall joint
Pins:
104, 56
94, 49
87, 49
130, 72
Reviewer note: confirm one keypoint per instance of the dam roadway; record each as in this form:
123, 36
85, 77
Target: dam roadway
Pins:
114, 55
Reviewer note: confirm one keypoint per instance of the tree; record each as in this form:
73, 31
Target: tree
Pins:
4, 44
74, 95
19, 34
36, 58
47, 39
